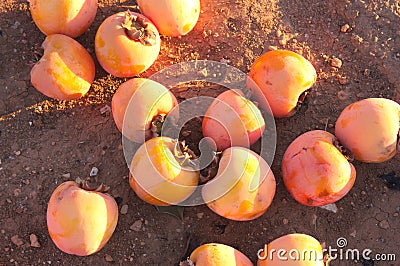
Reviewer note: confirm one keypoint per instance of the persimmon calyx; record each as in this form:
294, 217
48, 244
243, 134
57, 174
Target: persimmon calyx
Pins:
211, 170
102, 188
137, 29
183, 155
157, 125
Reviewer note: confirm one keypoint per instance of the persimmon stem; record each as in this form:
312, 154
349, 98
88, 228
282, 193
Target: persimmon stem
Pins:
137, 29
184, 155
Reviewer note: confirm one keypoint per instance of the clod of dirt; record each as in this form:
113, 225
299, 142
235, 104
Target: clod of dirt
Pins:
345, 28
17, 241
336, 62
384, 224
330, 207
108, 258
34, 241
136, 226
124, 209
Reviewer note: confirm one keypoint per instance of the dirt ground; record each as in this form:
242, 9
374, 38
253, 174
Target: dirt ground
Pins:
45, 142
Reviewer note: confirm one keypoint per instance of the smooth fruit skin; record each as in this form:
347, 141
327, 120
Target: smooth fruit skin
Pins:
215, 254
243, 188
300, 250
277, 80
148, 99
315, 172
370, 128
120, 55
233, 120
66, 69
68, 17
171, 17
157, 177
80, 222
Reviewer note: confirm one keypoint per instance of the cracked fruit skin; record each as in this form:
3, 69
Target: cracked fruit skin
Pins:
278, 78
68, 17
315, 172
233, 120
215, 254
369, 128
157, 177
243, 188
66, 69
308, 251
148, 99
119, 54
80, 222
171, 17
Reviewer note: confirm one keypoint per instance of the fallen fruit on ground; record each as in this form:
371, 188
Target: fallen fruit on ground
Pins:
126, 44
243, 188
233, 120
66, 69
139, 107
80, 221
215, 254
315, 172
171, 17
68, 17
370, 129
162, 172
293, 249
279, 80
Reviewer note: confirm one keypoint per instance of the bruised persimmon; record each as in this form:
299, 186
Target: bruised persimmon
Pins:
243, 188
233, 120
292, 249
171, 17
126, 44
66, 69
140, 105
314, 171
278, 79
161, 172
68, 17
370, 129
215, 254
80, 221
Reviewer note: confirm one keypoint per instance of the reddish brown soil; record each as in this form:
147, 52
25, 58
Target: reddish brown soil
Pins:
45, 142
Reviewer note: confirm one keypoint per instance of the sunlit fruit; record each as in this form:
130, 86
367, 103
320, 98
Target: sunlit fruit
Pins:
279, 79
215, 254
126, 44
292, 249
65, 71
162, 172
140, 106
315, 172
68, 17
243, 188
171, 17
81, 221
370, 129
233, 120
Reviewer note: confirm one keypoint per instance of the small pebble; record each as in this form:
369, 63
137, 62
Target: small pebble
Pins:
94, 171
17, 192
384, 224
124, 209
67, 175
336, 62
330, 207
200, 215
17, 241
108, 258
353, 234
345, 28
34, 241
285, 221
136, 226
17, 153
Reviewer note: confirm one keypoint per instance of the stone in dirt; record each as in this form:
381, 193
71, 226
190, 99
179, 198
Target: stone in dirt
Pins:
17, 241
34, 241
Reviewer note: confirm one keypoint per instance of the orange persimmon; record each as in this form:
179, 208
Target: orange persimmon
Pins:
66, 70
314, 171
278, 78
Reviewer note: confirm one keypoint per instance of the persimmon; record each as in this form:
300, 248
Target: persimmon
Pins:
171, 17
370, 129
68, 17
66, 69
162, 173
215, 254
126, 44
292, 249
233, 120
314, 171
243, 188
139, 106
80, 221
278, 79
